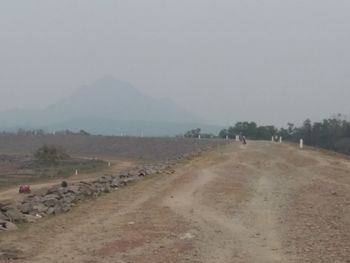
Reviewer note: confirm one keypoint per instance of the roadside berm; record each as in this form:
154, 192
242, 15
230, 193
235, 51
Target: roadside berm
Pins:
61, 198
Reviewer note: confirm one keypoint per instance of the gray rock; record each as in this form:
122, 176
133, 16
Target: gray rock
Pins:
7, 226
107, 189
39, 208
3, 217
31, 218
61, 208
51, 196
115, 182
50, 211
9, 255
50, 202
60, 191
133, 173
123, 175
14, 215
69, 198
125, 181
106, 178
33, 198
142, 173
25, 208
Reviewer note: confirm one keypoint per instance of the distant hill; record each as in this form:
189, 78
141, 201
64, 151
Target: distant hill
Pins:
108, 106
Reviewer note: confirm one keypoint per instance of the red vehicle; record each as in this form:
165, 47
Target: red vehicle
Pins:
24, 189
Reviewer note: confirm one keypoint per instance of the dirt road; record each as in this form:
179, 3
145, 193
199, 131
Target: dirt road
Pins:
11, 194
262, 202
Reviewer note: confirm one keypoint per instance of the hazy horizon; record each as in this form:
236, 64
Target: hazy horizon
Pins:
271, 62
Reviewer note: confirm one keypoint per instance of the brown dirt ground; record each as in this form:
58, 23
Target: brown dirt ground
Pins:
262, 202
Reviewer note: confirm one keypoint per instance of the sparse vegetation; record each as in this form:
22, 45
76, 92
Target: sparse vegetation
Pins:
16, 169
50, 155
18, 164
195, 133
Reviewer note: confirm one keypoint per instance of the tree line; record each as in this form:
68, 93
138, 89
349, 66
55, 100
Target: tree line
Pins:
332, 133
39, 132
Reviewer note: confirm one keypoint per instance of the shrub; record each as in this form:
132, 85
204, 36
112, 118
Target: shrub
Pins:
50, 155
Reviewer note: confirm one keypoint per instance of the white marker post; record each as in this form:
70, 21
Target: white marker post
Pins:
237, 138
109, 164
280, 139
76, 172
272, 139
301, 144
226, 137
199, 136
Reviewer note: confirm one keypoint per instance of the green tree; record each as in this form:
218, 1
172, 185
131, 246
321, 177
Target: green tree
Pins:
223, 133
193, 133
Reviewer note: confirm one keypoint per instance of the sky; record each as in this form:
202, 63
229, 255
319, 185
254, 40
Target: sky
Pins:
267, 61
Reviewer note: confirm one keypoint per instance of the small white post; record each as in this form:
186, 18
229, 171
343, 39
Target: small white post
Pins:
199, 136
109, 164
76, 172
280, 139
272, 139
301, 143
226, 137
237, 138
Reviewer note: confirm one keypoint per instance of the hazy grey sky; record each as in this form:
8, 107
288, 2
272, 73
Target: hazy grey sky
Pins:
268, 61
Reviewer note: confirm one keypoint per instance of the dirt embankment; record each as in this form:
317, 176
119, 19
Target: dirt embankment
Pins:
261, 202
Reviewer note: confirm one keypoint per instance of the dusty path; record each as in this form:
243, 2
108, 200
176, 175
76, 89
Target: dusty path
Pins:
262, 202
11, 194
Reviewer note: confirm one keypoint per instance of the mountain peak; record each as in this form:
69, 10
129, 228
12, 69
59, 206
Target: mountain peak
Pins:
118, 100
107, 84
104, 99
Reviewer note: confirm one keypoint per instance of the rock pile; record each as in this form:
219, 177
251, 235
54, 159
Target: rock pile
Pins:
61, 198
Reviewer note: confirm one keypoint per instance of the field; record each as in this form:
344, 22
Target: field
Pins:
103, 147
24, 169
90, 154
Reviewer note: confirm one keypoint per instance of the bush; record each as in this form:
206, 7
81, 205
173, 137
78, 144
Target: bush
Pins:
50, 155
